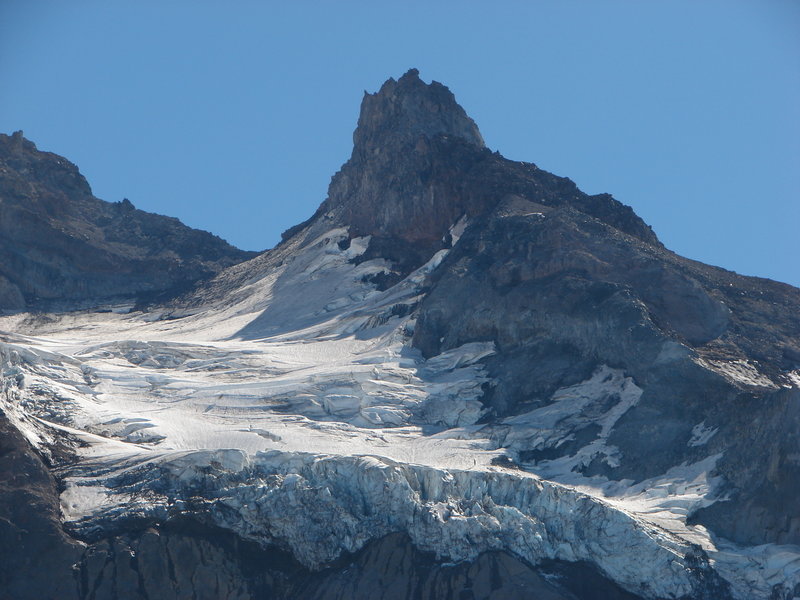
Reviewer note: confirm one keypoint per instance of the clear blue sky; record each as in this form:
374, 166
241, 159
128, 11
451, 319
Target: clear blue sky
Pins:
233, 116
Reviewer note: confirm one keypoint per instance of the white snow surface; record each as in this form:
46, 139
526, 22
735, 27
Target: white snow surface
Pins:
740, 372
298, 414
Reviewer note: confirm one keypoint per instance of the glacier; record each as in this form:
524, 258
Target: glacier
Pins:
296, 413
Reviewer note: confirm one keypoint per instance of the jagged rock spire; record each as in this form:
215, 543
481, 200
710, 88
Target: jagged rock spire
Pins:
419, 165
403, 110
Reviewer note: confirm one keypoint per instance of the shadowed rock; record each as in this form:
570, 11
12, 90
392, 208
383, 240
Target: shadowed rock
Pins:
62, 248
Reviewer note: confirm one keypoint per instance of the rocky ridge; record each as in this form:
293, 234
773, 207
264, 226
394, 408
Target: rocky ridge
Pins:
419, 164
62, 248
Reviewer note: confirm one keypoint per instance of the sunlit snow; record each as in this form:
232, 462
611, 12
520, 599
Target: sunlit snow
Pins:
301, 395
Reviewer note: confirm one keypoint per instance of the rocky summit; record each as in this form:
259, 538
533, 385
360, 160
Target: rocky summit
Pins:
60, 247
462, 377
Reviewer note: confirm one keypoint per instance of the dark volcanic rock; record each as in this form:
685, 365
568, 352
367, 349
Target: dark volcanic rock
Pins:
403, 110
560, 293
391, 568
186, 560
61, 247
36, 556
419, 164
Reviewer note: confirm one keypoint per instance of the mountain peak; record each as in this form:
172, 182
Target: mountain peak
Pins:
407, 108
419, 165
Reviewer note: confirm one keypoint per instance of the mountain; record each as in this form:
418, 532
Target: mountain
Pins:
462, 377
62, 247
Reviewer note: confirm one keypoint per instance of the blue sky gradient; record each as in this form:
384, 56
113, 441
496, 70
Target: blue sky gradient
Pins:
234, 116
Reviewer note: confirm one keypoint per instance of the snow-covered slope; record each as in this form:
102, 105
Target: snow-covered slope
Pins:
328, 429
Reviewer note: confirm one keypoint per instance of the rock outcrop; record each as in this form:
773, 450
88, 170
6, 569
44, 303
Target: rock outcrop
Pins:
62, 248
560, 293
36, 555
419, 164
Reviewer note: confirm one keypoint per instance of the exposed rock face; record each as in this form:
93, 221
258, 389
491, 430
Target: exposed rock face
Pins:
186, 561
458, 359
402, 111
419, 164
62, 247
36, 556
583, 294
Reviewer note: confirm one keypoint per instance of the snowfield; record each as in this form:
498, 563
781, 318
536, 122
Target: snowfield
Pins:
296, 413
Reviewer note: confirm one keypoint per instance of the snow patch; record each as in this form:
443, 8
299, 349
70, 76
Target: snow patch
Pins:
598, 402
457, 230
738, 371
701, 434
